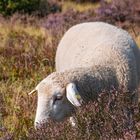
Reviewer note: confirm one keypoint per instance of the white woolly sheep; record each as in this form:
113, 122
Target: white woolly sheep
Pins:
91, 57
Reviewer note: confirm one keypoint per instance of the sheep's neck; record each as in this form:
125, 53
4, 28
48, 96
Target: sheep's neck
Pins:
91, 81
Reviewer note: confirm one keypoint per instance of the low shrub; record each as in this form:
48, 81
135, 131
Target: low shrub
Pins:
48, 6
40, 7
84, 1
63, 21
105, 118
11, 6
119, 11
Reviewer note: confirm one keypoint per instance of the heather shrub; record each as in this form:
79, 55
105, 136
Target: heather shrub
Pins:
84, 1
63, 21
41, 7
25, 49
104, 118
26, 56
10, 6
48, 6
20, 49
119, 11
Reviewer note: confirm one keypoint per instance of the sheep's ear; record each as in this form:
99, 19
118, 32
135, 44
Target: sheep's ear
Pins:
73, 95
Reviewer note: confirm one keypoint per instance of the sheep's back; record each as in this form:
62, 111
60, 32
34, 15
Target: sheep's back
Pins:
97, 43
91, 44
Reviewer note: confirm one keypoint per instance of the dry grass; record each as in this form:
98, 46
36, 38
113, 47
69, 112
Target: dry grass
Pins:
81, 7
25, 57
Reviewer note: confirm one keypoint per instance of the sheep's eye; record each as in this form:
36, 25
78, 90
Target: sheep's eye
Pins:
58, 97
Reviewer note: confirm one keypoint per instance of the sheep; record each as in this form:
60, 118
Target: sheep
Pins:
90, 57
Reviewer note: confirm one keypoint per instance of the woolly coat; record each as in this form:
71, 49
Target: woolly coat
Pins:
94, 56
98, 44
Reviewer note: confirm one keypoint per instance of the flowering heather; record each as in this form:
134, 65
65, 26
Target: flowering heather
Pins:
63, 21
104, 118
119, 11
84, 1
113, 12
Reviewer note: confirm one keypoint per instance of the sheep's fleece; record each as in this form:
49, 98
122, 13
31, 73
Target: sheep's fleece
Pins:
94, 56
100, 44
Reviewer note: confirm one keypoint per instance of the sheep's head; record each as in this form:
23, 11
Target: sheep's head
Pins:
54, 101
